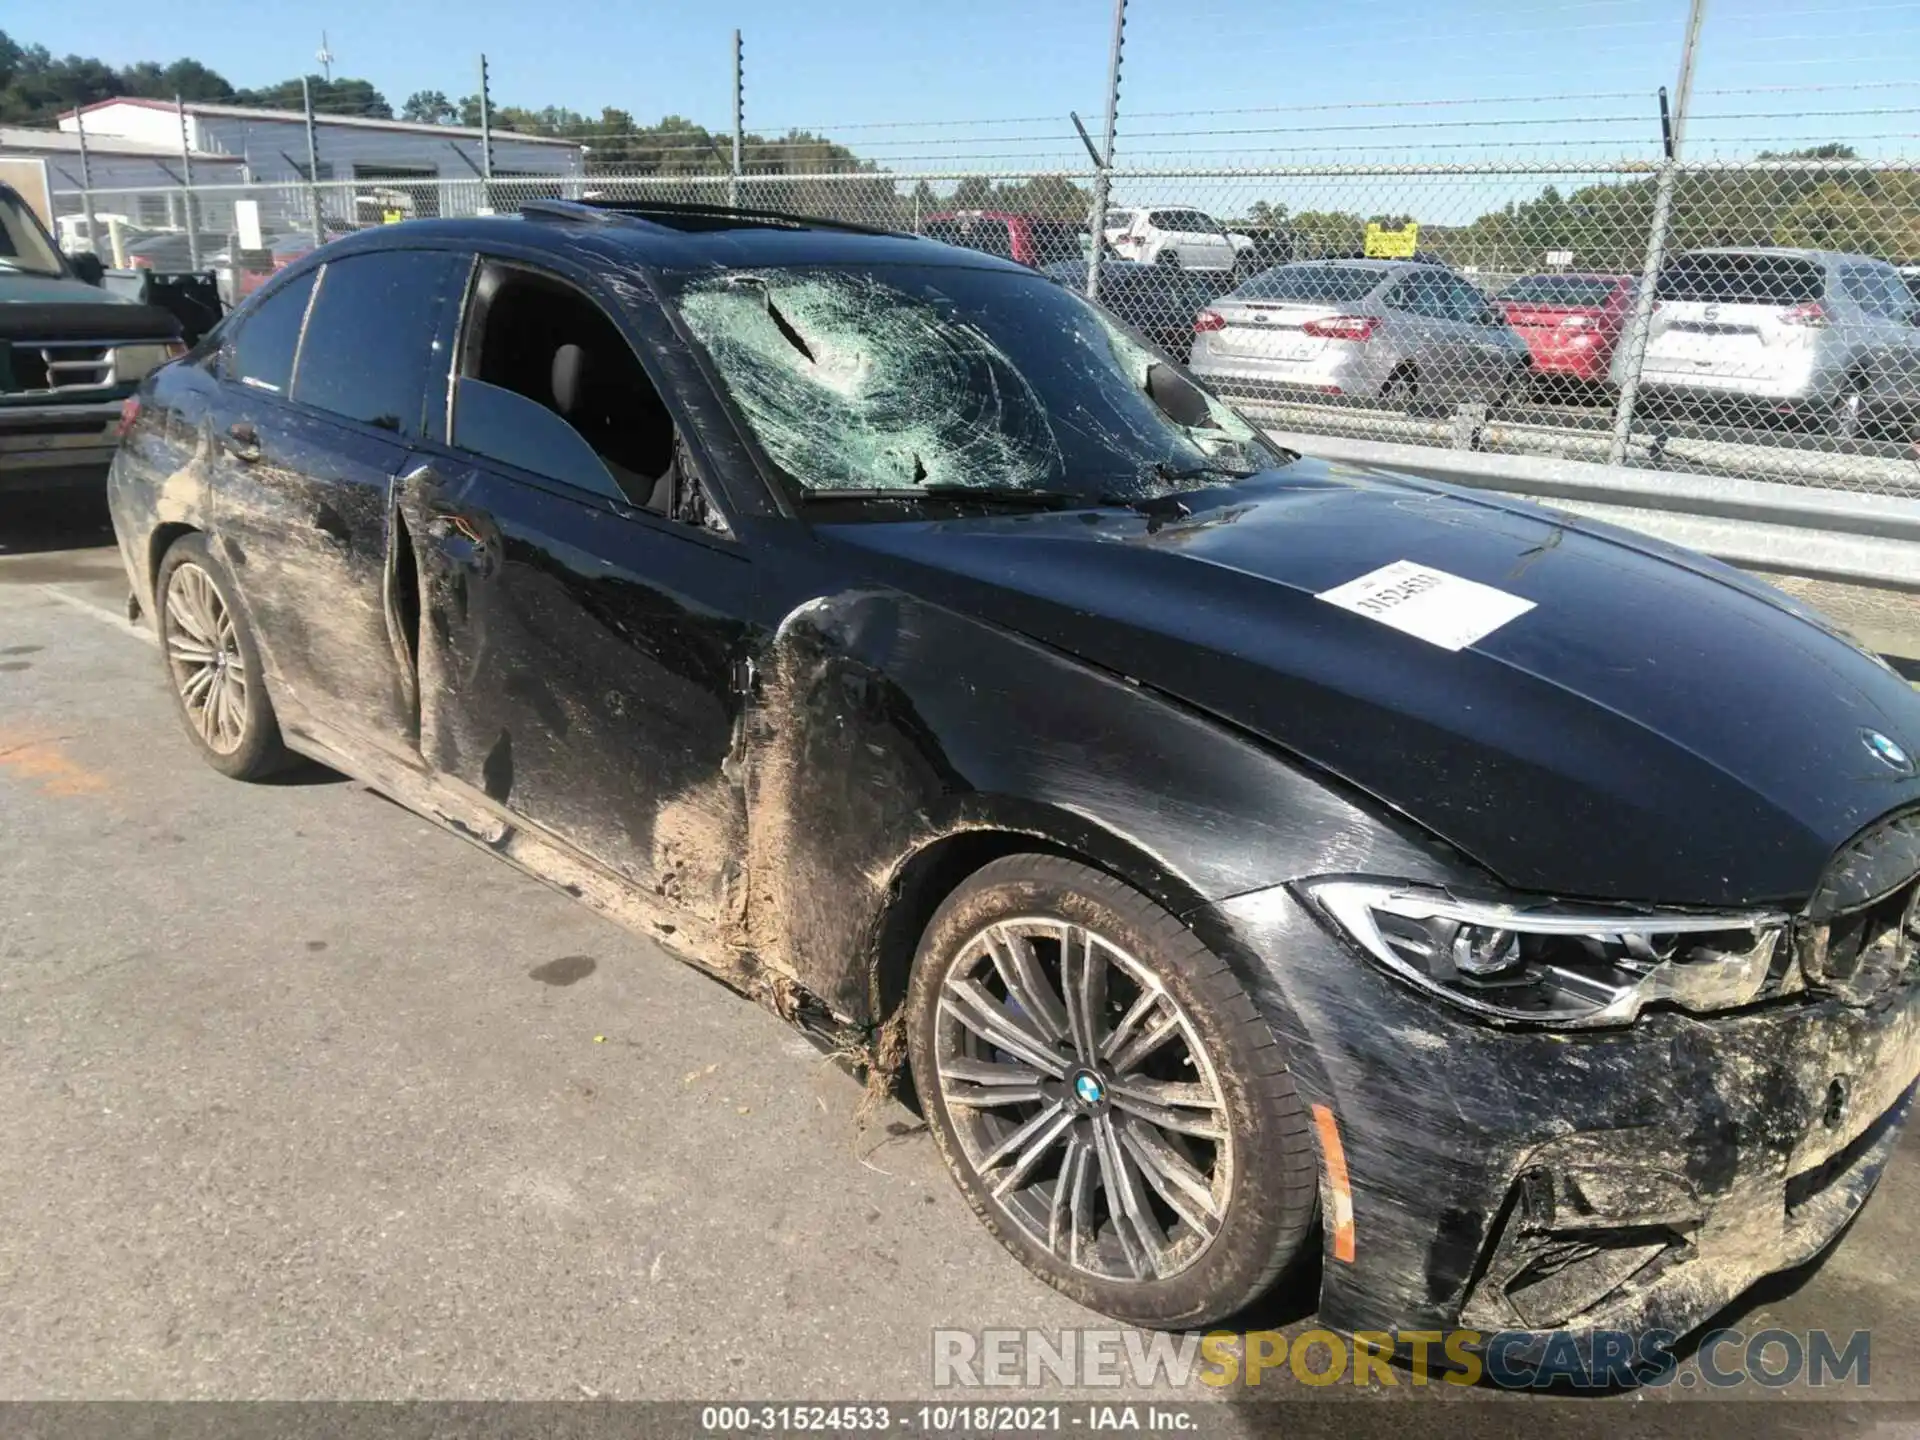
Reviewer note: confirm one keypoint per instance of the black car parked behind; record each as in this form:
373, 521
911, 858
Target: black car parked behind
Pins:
1248, 853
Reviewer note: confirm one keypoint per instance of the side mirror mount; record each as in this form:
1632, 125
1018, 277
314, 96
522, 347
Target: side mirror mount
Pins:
87, 268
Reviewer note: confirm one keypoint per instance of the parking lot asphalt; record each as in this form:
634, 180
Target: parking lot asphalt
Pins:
301, 1097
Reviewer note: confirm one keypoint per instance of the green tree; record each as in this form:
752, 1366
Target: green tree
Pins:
344, 96
429, 107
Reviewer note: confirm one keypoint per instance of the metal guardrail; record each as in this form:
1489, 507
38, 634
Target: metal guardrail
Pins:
1821, 534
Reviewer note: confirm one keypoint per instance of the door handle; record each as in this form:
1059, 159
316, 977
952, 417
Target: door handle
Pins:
242, 441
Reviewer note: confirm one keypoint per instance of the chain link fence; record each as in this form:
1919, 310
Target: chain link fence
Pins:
1529, 277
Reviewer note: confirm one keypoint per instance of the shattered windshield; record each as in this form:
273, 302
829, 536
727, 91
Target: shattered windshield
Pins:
943, 378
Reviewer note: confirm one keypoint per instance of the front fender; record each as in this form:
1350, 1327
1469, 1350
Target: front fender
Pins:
885, 725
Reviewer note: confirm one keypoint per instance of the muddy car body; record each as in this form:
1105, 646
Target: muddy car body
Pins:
1543, 947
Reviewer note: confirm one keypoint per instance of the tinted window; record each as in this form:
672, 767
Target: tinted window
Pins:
1056, 240
895, 377
1879, 291
370, 337
1586, 290
1460, 300
262, 353
1313, 284
1741, 280
1185, 220
1419, 294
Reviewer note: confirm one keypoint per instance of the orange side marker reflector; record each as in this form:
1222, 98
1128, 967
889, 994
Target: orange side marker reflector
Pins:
1341, 1217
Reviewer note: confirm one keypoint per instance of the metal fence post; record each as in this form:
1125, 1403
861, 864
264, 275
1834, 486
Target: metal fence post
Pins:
313, 165
1641, 324
739, 122
1103, 170
86, 177
486, 139
186, 189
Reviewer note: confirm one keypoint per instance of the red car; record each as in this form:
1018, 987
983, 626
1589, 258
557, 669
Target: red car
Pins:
1024, 239
1570, 322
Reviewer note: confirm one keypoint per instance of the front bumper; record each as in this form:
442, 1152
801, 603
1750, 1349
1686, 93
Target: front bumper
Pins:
51, 447
1633, 1179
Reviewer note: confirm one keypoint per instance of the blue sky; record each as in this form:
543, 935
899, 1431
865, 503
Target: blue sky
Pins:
988, 83
842, 62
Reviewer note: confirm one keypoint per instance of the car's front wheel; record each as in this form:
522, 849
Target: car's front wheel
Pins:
1106, 1095
214, 666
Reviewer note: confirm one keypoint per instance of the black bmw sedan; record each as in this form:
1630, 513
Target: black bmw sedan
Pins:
1232, 853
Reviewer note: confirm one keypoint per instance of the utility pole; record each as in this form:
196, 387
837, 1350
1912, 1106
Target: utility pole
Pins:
739, 121
1639, 327
325, 57
486, 138
1103, 171
186, 176
86, 176
313, 165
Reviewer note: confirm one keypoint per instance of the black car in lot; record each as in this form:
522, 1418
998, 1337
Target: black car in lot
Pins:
1160, 301
1247, 853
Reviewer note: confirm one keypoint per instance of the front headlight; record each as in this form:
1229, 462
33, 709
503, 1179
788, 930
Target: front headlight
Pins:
1554, 965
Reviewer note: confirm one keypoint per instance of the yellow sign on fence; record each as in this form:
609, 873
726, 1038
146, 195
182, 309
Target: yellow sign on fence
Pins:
1392, 244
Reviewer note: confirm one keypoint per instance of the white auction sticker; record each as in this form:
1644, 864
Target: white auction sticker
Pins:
1428, 604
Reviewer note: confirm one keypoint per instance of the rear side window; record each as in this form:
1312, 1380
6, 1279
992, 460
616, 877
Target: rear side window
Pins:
1313, 284
1741, 280
1185, 220
262, 350
1879, 291
370, 337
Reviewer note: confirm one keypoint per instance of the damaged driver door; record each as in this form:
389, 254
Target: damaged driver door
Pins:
584, 634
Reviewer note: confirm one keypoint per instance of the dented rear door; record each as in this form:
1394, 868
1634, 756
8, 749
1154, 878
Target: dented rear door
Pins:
305, 493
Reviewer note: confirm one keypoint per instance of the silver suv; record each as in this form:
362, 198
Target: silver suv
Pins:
1803, 332
1400, 331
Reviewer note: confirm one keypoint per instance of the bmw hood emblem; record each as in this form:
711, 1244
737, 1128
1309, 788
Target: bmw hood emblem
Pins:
1887, 750
1089, 1089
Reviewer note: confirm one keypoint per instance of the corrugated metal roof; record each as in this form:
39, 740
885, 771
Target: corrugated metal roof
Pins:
15, 138
296, 117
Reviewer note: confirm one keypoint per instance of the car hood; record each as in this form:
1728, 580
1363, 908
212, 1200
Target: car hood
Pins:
1657, 728
46, 307
18, 289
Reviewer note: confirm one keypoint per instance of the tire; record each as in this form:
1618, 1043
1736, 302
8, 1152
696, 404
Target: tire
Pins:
1401, 390
222, 701
1223, 1216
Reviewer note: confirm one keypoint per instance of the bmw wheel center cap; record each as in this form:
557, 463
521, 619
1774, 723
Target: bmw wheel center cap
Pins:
1088, 1089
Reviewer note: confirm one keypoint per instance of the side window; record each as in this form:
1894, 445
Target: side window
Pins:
1420, 295
261, 351
1856, 283
1887, 293
542, 340
371, 334
1464, 302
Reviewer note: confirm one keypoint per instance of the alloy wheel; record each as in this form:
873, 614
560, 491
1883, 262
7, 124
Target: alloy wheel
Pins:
203, 652
1083, 1099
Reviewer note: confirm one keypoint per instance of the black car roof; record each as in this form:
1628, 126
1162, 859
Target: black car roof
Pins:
674, 238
